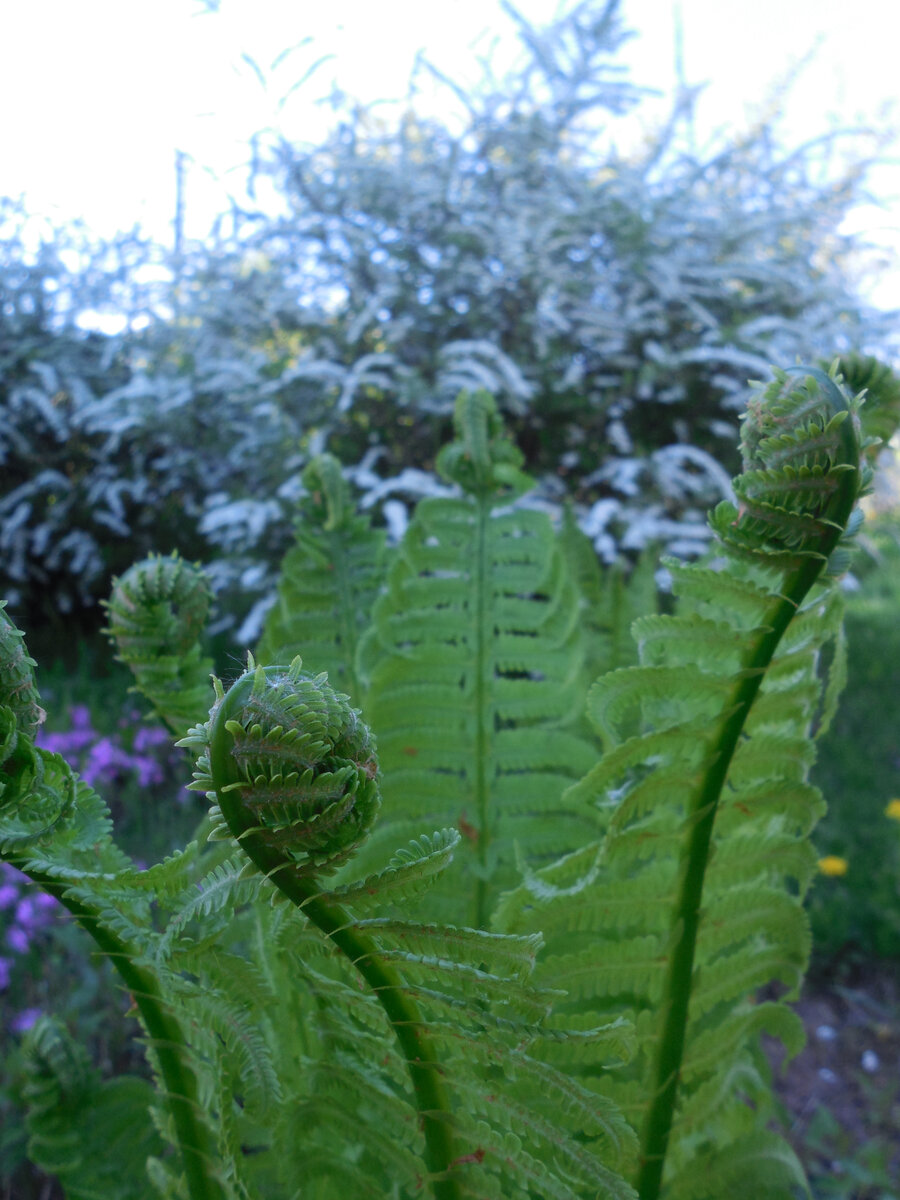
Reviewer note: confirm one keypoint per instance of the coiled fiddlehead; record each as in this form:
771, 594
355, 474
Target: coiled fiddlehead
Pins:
802, 445
38, 795
293, 763
157, 613
865, 375
292, 769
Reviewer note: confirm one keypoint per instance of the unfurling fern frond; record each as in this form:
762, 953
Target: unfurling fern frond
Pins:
56, 830
473, 666
93, 1136
864, 375
692, 901
293, 772
157, 615
329, 580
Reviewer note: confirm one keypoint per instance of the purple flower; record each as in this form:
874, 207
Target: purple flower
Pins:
17, 939
43, 900
148, 769
149, 736
80, 716
104, 760
25, 912
5, 973
9, 894
24, 1020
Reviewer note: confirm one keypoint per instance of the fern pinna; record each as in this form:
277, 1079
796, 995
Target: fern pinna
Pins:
332, 1007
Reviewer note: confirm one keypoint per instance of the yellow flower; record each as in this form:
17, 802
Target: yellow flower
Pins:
832, 865
893, 810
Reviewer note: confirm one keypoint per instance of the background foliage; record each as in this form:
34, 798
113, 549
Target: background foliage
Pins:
859, 770
614, 302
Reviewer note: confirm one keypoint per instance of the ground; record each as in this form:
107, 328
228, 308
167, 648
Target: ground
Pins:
841, 1094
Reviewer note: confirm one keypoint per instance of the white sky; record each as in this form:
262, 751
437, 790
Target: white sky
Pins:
98, 94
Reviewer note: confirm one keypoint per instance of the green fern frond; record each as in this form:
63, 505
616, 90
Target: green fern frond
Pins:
613, 599
329, 581
717, 716
157, 615
474, 665
229, 1032
759, 1164
513, 956
93, 1135
224, 890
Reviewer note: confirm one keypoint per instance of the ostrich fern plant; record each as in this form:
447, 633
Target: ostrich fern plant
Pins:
515, 951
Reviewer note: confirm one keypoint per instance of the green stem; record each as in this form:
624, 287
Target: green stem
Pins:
679, 975
425, 1072
483, 717
794, 588
191, 1132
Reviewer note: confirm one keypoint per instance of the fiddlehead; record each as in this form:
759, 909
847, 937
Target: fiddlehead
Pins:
483, 458
293, 771
157, 614
801, 442
801, 480
56, 830
692, 899
293, 766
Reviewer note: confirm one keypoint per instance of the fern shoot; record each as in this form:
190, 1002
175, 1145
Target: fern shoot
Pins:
800, 483
157, 614
53, 829
293, 770
691, 899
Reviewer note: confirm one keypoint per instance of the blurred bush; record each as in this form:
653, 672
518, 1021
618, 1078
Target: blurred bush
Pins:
614, 303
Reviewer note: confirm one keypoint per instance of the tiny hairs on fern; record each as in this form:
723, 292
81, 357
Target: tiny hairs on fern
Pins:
801, 444
292, 764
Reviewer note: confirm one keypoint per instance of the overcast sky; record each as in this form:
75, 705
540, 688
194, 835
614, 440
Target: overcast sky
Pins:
97, 95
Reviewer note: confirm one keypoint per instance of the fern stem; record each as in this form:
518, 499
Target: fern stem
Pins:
191, 1133
291, 724
678, 981
482, 797
432, 1099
